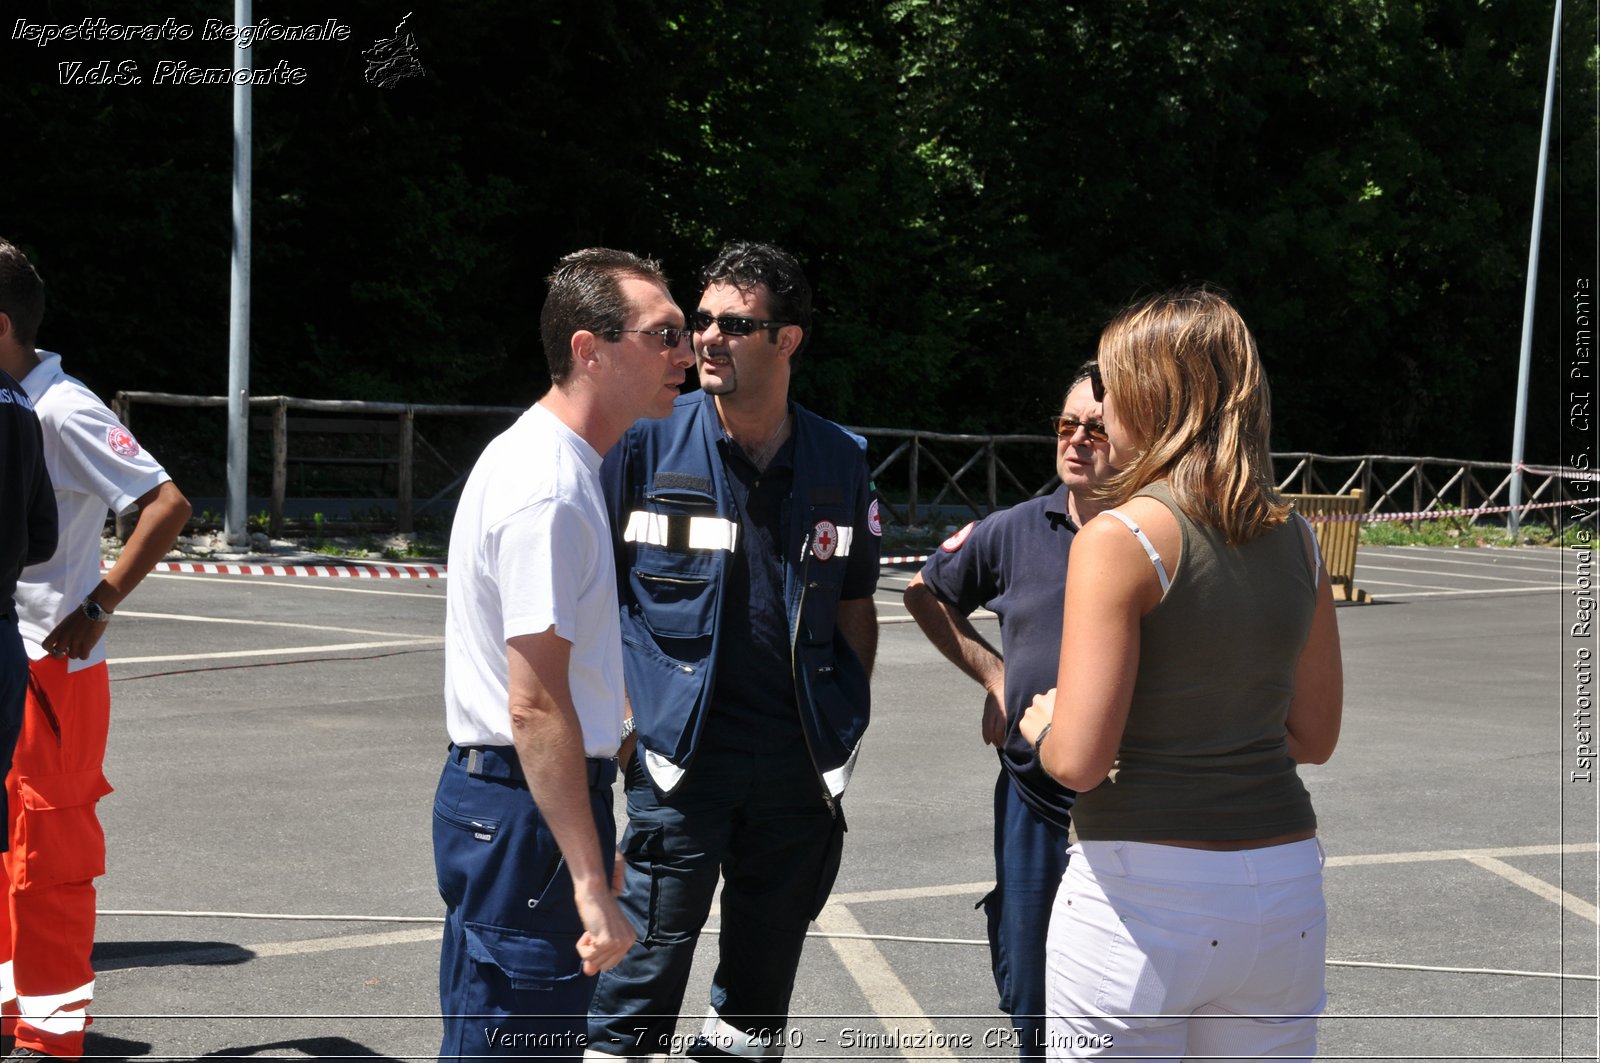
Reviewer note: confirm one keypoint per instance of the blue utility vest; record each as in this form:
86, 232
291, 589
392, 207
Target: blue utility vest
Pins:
675, 526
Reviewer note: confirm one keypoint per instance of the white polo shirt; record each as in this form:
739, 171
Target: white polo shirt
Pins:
97, 466
530, 549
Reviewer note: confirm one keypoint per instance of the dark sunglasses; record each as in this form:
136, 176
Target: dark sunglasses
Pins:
1067, 427
699, 321
1097, 386
670, 337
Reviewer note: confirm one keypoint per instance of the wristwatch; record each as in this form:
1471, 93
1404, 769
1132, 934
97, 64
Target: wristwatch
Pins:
628, 727
93, 611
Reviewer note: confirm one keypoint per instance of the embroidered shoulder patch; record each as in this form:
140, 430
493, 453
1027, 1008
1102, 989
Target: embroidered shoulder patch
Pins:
874, 522
121, 441
824, 540
952, 544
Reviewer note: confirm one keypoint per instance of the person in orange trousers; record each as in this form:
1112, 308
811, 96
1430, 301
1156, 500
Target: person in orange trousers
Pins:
64, 605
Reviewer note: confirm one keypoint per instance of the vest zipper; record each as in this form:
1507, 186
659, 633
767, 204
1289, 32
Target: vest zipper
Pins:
794, 673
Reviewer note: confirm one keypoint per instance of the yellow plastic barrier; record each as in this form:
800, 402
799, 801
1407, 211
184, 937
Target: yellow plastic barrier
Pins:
1337, 521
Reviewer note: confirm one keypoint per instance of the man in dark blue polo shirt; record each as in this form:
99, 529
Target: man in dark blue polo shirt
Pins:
1014, 563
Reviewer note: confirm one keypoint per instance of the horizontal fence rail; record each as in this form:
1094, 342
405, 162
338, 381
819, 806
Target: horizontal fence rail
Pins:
921, 476
402, 424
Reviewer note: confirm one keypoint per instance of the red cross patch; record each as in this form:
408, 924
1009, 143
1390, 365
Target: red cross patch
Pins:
824, 540
874, 521
121, 441
952, 544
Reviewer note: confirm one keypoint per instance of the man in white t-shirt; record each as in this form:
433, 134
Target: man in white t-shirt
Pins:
522, 829
63, 607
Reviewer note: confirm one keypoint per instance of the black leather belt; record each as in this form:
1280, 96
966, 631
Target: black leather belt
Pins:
501, 763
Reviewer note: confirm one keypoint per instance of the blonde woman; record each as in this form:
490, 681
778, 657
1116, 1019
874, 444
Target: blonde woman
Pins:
1204, 667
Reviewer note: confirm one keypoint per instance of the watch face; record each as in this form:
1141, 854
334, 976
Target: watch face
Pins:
92, 610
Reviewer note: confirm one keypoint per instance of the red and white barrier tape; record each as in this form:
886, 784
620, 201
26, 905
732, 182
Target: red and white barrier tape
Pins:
1335, 518
1429, 514
356, 571
366, 571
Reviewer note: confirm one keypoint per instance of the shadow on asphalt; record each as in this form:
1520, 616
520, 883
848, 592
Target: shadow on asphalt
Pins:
106, 1049
316, 1047
121, 955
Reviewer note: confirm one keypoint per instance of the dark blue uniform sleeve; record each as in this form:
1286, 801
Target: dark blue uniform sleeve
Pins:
964, 569
861, 573
42, 515
27, 500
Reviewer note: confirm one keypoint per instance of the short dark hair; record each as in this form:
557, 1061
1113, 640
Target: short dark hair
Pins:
21, 293
1083, 372
745, 265
586, 294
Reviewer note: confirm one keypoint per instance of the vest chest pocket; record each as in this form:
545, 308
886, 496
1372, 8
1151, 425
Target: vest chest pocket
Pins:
677, 539
676, 604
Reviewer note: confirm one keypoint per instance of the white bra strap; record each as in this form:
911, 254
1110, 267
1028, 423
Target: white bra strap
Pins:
1149, 547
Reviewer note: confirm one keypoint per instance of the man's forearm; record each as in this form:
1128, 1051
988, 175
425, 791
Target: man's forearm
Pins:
953, 635
857, 620
549, 744
162, 515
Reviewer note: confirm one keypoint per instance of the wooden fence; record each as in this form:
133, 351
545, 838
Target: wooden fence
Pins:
923, 476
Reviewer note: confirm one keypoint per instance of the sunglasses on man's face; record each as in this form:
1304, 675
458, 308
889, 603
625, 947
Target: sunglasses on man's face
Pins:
670, 337
1067, 427
730, 325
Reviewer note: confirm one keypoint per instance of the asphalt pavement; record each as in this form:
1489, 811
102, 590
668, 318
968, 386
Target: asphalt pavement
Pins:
276, 741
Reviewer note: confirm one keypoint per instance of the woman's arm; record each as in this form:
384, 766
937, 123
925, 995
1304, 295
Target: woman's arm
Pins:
1110, 586
1317, 707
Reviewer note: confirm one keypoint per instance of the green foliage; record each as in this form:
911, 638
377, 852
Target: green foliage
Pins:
975, 186
1461, 532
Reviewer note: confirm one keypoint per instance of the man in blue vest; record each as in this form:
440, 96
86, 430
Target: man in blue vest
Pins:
1014, 563
747, 556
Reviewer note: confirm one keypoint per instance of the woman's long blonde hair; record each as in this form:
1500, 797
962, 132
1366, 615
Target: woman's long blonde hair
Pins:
1184, 376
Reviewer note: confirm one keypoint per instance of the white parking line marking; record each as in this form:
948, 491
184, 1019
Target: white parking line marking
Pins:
886, 994
912, 893
264, 623
1428, 856
1408, 570
1543, 570
1475, 592
1537, 556
1369, 584
1575, 905
309, 946
276, 652
304, 585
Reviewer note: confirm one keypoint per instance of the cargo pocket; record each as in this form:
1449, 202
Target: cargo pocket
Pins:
642, 849
524, 962
59, 835
680, 602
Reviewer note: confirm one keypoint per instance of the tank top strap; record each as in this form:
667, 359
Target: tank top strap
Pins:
1149, 547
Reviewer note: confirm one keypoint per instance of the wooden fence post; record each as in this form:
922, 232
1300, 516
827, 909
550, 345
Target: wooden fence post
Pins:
403, 486
994, 486
912, 462
280, 464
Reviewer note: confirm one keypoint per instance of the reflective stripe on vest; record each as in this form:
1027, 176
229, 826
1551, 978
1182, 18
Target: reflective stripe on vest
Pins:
681, 532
